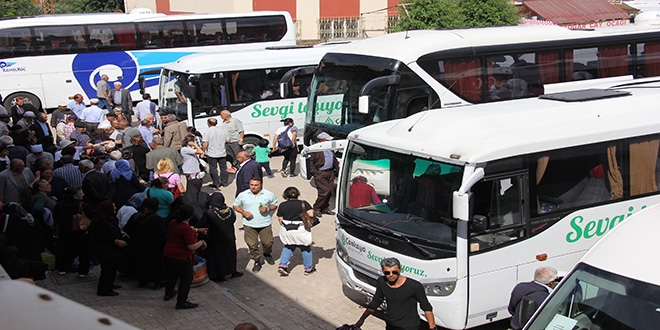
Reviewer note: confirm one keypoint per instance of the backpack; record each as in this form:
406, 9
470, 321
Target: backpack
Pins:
283, 141
526, 308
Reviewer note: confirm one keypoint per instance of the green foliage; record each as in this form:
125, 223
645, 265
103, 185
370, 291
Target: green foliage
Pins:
14, 8
88, 6
434, 14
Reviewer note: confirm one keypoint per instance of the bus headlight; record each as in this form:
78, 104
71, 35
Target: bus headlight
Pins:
342, 253
439, 289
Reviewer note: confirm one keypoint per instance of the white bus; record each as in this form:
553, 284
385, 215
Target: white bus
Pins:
47, 59
400, 74
614, 286
199, 86
473, 199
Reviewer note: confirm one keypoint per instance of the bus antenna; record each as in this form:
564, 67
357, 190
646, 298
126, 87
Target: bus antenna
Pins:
417, 121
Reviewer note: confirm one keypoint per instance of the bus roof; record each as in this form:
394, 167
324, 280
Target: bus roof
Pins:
628, 249
410, 45
109, 18
247, 60
485, 132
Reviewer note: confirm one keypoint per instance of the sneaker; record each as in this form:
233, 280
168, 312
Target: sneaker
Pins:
283, 271
82, 275
271, 176
169, 296
61, 272
309, 271
256, 267
269, 259
186, 305
293, 175
284, 175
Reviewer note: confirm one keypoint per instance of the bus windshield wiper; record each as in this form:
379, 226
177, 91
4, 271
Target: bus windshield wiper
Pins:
428, 254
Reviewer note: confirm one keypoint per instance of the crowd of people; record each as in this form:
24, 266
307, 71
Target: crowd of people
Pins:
91, 187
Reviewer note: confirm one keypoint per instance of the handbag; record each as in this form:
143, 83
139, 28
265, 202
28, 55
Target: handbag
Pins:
308, 221
80, 221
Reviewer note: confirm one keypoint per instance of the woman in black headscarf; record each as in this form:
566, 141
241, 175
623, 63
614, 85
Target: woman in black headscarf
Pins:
148, 233
107, 243
221, 240
199, 200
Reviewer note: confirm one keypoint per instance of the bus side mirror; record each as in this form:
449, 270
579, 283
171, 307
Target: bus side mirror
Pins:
363, 104
142, 82
478, 223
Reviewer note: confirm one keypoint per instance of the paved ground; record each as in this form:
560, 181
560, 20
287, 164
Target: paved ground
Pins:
266, 299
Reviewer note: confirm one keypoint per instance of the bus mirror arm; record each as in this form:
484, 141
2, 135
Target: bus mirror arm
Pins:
333, 145
364, 100
461, 198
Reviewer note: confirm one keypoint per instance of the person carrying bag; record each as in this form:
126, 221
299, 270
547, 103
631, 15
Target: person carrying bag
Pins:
294, 233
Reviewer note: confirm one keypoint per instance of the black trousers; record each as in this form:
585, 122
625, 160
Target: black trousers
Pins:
181, 270
290, 157
109, 265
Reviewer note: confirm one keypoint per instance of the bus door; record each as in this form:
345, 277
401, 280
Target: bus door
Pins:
498, 223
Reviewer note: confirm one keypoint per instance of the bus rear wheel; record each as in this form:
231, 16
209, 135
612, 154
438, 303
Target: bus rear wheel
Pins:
29, 99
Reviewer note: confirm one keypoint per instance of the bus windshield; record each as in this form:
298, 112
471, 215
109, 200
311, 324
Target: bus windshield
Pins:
334, 96
400, 193
591, 298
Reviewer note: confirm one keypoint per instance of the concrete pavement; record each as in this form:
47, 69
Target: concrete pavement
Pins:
298, 301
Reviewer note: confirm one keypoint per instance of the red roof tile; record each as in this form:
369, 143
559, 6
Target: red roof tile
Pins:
575, 11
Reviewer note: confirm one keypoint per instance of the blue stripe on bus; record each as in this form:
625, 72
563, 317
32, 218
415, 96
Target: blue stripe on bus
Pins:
87, 68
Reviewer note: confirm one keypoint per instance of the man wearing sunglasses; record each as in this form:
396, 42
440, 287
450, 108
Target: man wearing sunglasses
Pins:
402, 295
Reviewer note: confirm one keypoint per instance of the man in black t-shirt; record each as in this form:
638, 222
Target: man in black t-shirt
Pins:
402, 295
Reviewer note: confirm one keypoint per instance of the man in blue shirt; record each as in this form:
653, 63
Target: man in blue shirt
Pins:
77, 105
257, 206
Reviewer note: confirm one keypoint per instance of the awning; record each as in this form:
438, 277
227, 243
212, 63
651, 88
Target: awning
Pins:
575, 11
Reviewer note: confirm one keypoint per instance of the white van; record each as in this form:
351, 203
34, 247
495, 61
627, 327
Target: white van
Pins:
616, 285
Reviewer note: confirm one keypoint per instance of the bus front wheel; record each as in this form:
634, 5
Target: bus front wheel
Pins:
32, 99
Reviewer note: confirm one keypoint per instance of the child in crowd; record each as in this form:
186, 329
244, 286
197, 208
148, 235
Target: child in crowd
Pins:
262, 152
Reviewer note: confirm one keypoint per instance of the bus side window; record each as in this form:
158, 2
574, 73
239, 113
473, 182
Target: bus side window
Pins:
498, 213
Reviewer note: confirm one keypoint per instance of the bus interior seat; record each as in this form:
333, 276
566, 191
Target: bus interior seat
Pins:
582, 75
518, 87
590, 190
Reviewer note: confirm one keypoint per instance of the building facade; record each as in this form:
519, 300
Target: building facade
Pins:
315, 19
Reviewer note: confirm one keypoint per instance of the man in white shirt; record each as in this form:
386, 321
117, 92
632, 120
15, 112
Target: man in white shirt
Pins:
213, 145
93, 115
146, 107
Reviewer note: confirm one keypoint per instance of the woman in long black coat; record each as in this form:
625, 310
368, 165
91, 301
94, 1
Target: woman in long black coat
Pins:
148, 233
107, 243
69, 243
126, 182
221, 240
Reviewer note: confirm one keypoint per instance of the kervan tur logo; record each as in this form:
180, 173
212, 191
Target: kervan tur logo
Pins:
10, 67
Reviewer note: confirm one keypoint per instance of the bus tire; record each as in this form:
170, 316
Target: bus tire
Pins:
9, 101
249, 142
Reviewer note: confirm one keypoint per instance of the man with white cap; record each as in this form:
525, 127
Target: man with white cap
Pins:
103, 92
323, 166
27, 120
93, 115
59, 114
37, 152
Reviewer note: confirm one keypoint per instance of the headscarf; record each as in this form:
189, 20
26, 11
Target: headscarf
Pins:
136, 200
106, 211
122, 169
149, 205
218, 201
190, 197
